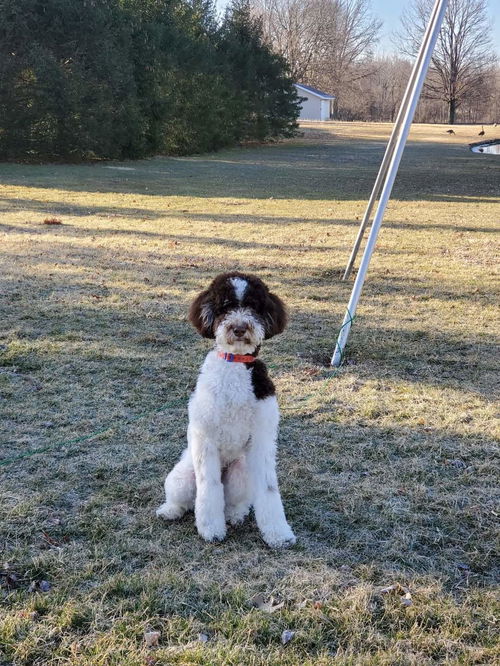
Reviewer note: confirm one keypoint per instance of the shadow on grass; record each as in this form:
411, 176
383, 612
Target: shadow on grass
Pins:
374, 497
344, 169
398, 500
403, 496
410, 351
53, 208
131, 357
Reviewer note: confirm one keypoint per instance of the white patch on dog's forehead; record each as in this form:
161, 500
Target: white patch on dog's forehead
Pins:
239, 285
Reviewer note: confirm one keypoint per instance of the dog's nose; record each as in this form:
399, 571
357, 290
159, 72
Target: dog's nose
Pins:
239, 331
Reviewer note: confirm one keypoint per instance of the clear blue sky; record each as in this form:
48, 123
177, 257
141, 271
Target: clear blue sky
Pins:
390, 11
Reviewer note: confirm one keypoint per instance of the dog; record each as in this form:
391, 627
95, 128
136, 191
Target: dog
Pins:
229, 465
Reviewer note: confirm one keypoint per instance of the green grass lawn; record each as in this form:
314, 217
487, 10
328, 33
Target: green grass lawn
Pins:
387, 466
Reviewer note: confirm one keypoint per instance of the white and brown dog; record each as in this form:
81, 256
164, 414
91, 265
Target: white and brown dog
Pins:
229, 464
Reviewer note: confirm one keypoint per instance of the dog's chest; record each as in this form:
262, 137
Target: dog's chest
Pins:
223, 404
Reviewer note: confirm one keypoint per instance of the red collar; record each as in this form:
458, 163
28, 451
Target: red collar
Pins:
236, 358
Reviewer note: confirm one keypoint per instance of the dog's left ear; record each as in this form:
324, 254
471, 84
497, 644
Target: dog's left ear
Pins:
201, 313
276, 316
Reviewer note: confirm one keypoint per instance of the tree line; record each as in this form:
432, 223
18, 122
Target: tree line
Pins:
330, 44
129, 78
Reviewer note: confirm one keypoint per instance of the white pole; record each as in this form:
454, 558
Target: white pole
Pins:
373, 196
389, 151
392, 142
421, 69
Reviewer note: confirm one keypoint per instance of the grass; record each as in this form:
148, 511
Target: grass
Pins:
387, 467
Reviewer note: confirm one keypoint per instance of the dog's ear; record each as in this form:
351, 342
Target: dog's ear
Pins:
201, 313
276, 316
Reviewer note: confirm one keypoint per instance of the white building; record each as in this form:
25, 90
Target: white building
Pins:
316, 106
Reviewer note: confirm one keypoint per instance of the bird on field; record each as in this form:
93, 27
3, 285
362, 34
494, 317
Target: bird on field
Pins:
481, 133
450, 131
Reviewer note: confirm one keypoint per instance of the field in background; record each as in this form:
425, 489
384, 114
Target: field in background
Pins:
387, 467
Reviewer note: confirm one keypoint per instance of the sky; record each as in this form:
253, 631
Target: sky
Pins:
389, 11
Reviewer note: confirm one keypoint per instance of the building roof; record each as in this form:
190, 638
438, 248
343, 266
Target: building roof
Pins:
314, 91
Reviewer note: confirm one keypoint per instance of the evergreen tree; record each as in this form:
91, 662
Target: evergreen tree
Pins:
67, 87
127, 78
264, 99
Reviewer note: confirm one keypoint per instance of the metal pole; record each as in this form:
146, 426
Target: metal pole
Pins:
389, 151
422, 67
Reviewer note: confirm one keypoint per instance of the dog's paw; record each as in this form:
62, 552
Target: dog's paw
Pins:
212, 536
283, 538
235, 515
169, 511
211, 530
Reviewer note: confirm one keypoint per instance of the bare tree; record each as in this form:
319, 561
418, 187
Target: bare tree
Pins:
377, 96
381, 92
295, 29
463, 56
352, 34
323, 40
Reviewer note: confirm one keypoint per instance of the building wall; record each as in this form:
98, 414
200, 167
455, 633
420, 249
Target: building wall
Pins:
325, 109
314, 108
311, 108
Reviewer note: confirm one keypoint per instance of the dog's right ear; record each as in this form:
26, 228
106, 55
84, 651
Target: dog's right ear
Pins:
201, 314
276, 316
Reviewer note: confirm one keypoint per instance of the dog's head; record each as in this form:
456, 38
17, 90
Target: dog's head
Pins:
238, 311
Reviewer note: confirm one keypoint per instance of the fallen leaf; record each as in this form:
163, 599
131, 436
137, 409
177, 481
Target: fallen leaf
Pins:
404, 593
50, 540
151, 638
406, 599
287, 636
397, 588
271, 606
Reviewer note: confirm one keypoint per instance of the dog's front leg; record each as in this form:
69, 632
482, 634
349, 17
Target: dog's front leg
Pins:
267, 504
209, 504
180, 489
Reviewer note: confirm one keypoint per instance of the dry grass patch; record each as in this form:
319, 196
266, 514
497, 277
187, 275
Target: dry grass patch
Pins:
387, 467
